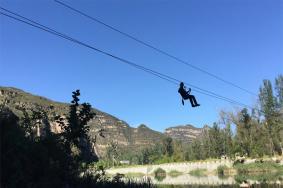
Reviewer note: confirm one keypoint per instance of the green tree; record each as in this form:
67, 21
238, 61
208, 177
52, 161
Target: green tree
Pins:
168, 146
196, 150
178, 154
279, 90
228, 140
216, 140
243, 136
272, 115
267, 100
75, 132
112, 152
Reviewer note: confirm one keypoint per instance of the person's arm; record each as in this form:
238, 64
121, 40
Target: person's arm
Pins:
189, 91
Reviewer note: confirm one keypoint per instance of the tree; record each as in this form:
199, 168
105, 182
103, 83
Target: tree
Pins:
228, 141
168, 146
216, 141
279, 94
226, 121
178, 154
243, 136
279, 90
112, 152
76, 130
267, 100
145, 156
271, 114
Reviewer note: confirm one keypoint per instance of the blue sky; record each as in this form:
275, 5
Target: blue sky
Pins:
238, 40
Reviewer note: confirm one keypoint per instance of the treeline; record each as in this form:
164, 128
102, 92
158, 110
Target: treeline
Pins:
252, 133
257, 132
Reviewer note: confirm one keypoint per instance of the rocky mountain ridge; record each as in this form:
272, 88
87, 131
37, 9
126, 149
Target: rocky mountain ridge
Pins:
184, 133
115, 130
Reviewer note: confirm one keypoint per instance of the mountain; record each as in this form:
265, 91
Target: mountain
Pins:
115, 130
185, 133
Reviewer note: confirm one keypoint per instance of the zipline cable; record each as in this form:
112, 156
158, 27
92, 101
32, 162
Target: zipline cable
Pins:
165, 77
140, 67
160, 75
154, 48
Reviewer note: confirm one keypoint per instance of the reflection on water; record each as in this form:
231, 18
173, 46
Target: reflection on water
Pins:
268, 180
220, 186
194, 180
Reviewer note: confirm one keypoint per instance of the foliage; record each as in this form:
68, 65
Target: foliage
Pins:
134, 174
167, 146
198, 172
259, 167
30, 159
174, 173
26, 162
112, 153
159, 174
260, 177
75, 131
221, 169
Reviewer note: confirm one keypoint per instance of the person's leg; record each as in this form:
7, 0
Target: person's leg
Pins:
192, 101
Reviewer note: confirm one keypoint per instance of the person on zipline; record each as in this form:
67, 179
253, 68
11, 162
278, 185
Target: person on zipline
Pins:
186, 95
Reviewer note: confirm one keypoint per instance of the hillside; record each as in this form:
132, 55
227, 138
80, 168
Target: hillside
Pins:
115, 130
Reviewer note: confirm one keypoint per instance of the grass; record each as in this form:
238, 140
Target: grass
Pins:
198, 172
259, 168
174, 173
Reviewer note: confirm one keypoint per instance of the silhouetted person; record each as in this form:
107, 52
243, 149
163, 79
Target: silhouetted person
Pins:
186, 95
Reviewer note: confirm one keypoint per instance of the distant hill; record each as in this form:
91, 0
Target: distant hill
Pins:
116, 130
184, 133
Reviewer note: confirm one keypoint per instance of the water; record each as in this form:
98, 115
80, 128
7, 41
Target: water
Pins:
270, 180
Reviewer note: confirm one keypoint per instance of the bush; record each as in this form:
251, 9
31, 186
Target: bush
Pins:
220, 170
174, 173
159, 174
259, 167
198, 172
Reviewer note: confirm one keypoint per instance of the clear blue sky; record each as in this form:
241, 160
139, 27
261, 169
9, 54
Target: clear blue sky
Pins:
239, 40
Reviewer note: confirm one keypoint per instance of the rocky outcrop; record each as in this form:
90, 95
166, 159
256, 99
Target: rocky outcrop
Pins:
185, 133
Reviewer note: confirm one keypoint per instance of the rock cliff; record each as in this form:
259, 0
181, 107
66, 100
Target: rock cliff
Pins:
185, 133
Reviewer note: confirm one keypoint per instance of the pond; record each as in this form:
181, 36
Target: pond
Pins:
272, 180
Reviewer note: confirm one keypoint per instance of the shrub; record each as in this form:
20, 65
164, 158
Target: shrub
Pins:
198, 172
159, 174
220, 170
174, 173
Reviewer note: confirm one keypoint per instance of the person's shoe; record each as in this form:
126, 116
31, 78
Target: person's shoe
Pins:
197, 105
